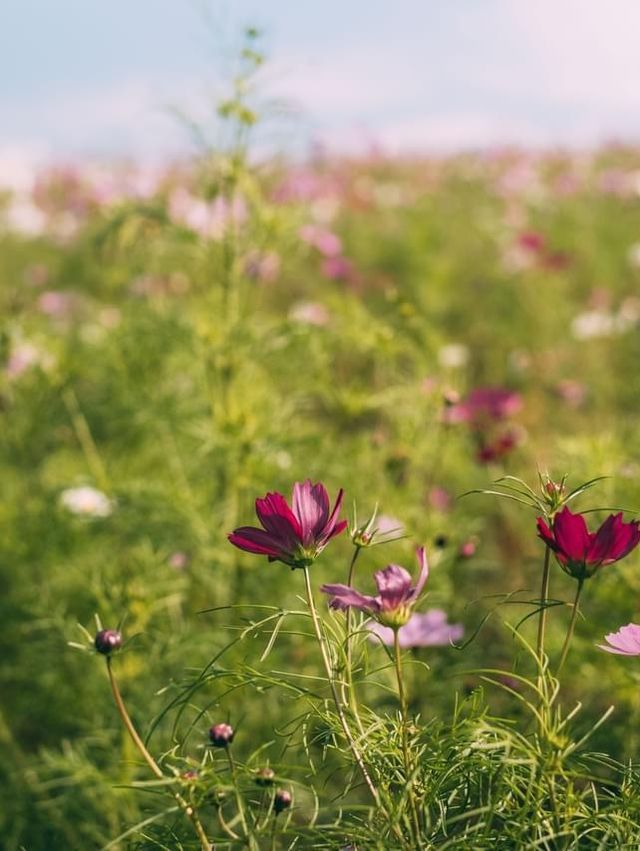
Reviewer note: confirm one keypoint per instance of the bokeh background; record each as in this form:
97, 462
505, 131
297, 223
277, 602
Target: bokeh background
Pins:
229, 262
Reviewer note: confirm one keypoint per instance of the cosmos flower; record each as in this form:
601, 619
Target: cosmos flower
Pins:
624, 642
87, 501
580, 552
485, 404
396, 595
295, 535
428, 629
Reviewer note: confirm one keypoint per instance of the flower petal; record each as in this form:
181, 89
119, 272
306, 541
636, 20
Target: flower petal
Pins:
394, 586
311, 507
345, 597
571, 534
255, 541
277, 518
424, 572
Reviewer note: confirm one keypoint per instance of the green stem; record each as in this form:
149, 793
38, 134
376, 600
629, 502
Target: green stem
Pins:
542, 617
572, 624
404, 712
350, 696
240, 803
334, 692
188, 809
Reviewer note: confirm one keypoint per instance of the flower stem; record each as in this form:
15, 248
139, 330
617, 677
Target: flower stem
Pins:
350, 697
188, 809
334, 692
240, 804
542, 617
572, 624
404, 713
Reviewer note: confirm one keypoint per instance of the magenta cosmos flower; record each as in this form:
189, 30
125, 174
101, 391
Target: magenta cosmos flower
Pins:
485, 404
428, 629
624, 642
295, 535
580, 552
396, 595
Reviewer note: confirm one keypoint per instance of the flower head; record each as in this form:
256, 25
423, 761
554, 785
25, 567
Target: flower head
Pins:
580, 552
296, 534
221, 735
86, 501
430, 629
107, 640
485, 404
282, 800
396, 595
624, 642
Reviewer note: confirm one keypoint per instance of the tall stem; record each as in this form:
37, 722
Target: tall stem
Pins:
239, 802
334, 692
188, 809
350, 696
542, 617
404, 713
572, 624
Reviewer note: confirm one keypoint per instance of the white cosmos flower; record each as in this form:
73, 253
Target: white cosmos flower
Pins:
86, 501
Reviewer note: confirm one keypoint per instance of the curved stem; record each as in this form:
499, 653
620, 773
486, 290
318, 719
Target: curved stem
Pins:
572, 624
408, 770
188, 809
334, 692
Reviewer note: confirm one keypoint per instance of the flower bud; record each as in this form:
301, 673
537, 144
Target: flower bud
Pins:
221, 735
467, 549
282, 800
107, 640
265, 776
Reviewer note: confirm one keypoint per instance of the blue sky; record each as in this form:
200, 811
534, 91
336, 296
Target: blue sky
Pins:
85, 78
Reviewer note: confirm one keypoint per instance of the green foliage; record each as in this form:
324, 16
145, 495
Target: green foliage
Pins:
197, 359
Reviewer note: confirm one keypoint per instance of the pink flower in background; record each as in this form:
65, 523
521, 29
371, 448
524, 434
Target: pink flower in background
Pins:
396, 597
262, 266
467, 549
56, 304
326, 242
581, 553
624, 642
572, 392
485, 404
531, 241
295, 535
496, 449
211, 219
310, 313
430, 629
337, 269
440, 499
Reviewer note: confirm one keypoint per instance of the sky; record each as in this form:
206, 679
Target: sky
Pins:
81, 78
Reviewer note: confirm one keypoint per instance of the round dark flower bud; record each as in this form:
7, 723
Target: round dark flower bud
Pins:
107, 640
282, 801
265, 776
221, 735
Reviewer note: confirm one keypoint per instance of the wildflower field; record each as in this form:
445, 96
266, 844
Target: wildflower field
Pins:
421, 375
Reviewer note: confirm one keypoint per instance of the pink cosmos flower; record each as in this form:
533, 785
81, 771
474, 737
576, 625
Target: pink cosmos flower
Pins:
580, 552
624, 642
337, 269
295, 535
396, 595
430, 629
323, 240
485, 404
